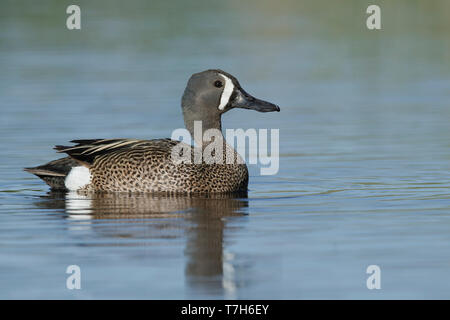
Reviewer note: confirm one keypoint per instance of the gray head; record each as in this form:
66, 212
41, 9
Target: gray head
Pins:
211, 93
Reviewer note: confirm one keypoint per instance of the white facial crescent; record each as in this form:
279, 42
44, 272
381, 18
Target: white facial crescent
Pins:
226, 93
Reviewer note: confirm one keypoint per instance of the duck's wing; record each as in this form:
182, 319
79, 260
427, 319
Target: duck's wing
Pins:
85, 151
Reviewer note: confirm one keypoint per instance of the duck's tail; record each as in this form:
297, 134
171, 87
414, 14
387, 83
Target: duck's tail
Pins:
54, 173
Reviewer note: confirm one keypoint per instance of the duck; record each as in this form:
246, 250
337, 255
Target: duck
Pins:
132, 165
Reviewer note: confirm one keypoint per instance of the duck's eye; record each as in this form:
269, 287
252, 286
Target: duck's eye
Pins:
218, 84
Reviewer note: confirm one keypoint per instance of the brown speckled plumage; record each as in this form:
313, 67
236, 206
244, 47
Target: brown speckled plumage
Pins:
146, 166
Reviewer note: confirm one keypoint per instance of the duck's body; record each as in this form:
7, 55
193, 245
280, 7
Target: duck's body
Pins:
126, 165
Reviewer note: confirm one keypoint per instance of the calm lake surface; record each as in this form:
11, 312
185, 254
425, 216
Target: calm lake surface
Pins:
364, 174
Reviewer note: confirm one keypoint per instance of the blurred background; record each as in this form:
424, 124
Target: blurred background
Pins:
364, 149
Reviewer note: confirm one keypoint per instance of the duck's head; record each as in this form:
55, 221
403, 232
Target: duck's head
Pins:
211, 93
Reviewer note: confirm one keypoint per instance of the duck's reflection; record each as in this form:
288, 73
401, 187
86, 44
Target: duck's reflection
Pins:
201, 220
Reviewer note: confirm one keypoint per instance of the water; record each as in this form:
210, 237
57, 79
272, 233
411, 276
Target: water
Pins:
364, 173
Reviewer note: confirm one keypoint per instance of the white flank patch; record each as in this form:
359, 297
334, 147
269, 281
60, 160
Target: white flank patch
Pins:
226, 93
77, 178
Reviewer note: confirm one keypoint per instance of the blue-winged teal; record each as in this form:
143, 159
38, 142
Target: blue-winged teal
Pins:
146, 165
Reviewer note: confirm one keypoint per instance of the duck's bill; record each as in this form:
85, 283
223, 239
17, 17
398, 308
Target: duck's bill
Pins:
245, 101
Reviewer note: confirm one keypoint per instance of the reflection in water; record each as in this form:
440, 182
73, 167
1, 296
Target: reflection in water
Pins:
209, 267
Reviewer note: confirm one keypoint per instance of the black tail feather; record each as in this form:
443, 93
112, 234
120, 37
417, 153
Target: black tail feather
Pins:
54, 173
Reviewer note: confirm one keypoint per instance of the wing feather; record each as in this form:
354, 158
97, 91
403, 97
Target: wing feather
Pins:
85, 151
